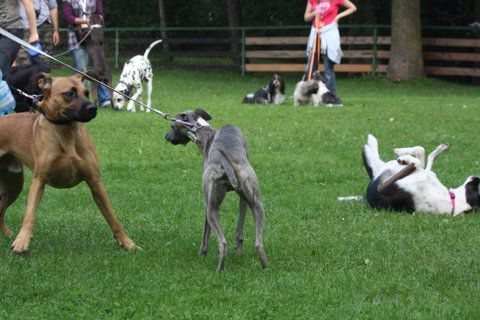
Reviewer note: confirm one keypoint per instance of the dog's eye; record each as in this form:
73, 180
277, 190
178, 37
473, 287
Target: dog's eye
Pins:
70, 94
87, 93
184, 117
119, 99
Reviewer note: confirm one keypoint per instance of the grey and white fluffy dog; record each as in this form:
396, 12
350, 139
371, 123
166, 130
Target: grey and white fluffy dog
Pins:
304, 93
273, 93
225, 168
307, 93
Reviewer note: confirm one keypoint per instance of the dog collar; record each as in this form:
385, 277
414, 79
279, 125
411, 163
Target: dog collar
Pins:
56, 122
452, 200
129, 88
192, 128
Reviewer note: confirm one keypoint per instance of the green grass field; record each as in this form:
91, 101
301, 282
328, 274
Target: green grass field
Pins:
328, 259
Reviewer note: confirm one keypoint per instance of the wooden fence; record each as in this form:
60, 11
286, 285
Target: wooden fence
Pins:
443, 50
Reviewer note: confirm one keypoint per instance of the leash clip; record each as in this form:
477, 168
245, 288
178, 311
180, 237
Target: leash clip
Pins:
192, 136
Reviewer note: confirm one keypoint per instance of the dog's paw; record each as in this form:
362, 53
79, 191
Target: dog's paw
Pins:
203, 251
238, 246
443, 147
126, 243
21, 243
407, 159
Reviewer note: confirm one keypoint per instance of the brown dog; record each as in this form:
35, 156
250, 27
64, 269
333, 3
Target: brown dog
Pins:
56, 146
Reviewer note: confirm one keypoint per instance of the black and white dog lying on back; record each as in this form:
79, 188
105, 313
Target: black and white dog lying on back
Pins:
273, 93
314, 92
405, 184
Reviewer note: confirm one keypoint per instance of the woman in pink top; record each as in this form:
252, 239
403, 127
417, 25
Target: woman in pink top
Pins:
324, 16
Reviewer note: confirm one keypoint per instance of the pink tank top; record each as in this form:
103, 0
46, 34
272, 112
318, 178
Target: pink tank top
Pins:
328, 10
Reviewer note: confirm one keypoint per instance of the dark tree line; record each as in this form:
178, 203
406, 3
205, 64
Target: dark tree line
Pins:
404, 16
280, 12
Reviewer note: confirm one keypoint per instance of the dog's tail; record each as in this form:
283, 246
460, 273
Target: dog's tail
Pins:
249, 98
227, 165
350, 198
145, 55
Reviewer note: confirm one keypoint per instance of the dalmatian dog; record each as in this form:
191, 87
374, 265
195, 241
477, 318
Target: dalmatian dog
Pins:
135, 70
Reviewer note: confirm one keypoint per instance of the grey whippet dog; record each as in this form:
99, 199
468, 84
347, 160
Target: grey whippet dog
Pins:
225, 168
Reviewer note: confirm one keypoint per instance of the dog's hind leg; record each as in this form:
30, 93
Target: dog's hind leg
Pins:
251, 193
205, 236
11, 185
239, 235
213, 198
435, 153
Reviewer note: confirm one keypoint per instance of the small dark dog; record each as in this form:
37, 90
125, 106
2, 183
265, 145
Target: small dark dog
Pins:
94, 45
273, 93
304, 92
225, 168
22, 78
314, 92
325, 96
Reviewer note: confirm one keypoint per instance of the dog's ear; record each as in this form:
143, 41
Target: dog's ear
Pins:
471, 192
204, 114
43, 81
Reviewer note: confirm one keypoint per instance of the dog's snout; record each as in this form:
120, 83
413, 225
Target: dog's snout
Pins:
91, 107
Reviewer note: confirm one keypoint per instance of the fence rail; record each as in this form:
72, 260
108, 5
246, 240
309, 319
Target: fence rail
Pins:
447, 50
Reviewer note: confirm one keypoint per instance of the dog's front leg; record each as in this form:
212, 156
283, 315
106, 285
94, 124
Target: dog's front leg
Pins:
103, 203
131, 105
22, 241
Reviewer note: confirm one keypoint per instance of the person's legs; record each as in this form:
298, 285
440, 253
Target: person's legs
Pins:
329, 73
9, 49
45, 32
22, 57
80, 60
103, 96
311, 40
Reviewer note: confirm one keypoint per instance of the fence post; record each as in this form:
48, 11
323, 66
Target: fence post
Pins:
374, 52
243, 51
117, 46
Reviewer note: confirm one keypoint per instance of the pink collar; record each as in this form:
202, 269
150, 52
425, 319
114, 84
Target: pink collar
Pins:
452, 200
